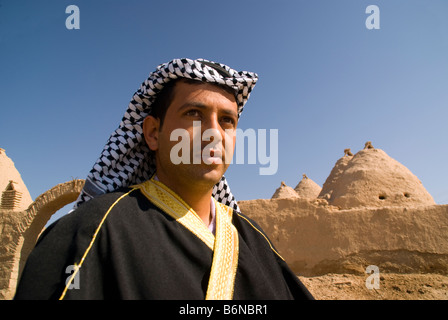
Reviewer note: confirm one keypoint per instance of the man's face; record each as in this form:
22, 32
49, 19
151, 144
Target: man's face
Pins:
198, 111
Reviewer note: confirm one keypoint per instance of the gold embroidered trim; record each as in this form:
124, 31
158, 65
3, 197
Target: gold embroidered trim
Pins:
171, 203
225, 257
78, 265
224, 245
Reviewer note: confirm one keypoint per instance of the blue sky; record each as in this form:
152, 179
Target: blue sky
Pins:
326, 82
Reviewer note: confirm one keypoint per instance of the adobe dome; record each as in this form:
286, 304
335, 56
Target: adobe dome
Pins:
307, 188
338, 169
14, 194
284, 191
371, 178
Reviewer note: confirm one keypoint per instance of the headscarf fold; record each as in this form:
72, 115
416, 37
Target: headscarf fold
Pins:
126, 159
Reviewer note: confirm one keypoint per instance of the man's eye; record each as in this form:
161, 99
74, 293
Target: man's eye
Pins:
228, 120
193, 113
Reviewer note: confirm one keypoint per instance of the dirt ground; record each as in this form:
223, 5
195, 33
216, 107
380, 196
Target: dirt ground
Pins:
392, 286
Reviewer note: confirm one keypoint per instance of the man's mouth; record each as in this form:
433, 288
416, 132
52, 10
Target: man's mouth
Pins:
210, 156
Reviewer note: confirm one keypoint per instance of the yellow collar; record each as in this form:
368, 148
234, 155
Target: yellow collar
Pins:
224, 245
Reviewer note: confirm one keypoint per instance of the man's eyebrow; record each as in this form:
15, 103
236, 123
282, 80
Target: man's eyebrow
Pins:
203, 106
189, 104
230, 112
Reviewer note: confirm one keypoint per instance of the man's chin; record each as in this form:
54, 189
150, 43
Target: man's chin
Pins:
208, 173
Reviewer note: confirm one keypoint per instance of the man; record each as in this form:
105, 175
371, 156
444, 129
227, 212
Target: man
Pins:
148, 227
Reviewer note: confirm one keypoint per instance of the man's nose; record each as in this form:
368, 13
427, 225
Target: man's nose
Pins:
211, 129
212, 122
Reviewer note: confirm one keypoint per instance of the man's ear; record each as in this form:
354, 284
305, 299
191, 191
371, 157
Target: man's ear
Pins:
151, 132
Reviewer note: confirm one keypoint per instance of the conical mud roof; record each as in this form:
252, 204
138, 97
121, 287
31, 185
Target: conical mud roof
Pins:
14, 194
336, 172
372, 178
284, 191
307, 188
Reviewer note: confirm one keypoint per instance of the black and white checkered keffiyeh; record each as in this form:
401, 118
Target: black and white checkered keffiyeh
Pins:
126, 160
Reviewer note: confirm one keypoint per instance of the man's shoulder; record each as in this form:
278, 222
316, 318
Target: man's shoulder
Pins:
97, 205
90, 213
107, 211
247, 222
253, 233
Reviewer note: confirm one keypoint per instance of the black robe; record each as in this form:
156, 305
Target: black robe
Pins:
141, 252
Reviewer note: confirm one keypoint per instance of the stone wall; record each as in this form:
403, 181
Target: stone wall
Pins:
316, 239
330, 248
19, 231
